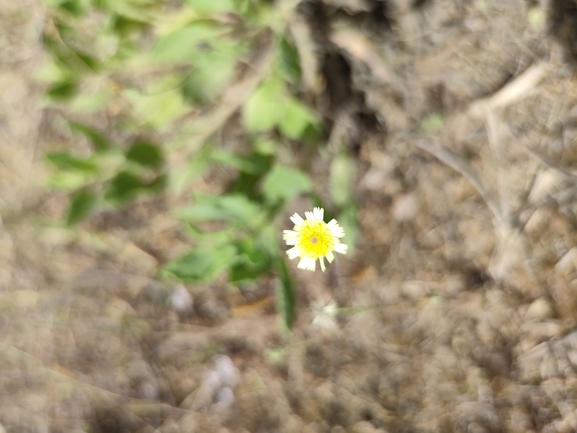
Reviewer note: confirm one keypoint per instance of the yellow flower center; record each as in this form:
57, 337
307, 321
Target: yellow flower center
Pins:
315, 239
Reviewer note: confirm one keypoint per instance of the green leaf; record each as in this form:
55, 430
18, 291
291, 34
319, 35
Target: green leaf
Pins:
286, 294
247, 183
99, 141
158, 184
264, 147
284, 183
235, 208
432, 123
160, 107
90, 101
182, 176
63, 90
253, 262
68, 180
297, 119
65, 31
123, 187
289, 60
348, 221
212, 74
199, 213
125, 26
267, 239
81, 205
183, 44
66, 56
74, 7
68, 162
92, 62
60, 52
245, 164
49, 72
203, 263
241, 274
145, 154
341, 179
212, 6
265, 107
213, 239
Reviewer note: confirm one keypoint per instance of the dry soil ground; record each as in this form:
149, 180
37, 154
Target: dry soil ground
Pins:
456, 312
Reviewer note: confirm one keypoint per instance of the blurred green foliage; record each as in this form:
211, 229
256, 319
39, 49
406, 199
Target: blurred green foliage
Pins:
145, 68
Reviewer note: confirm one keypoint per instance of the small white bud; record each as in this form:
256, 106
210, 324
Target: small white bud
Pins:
324, 315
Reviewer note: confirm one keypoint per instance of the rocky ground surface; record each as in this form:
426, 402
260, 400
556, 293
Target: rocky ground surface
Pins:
455, 313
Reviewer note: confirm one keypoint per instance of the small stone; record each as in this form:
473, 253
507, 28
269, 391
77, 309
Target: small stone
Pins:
365, 427
189, 423
227, 372
210, 309
548, 367
169, 426
225, 395
293, 424
212, 381
374, 179
538, 220
454, 285
405, 207
520, 421
224, 399
181, 300
543, 330
530, 361
540, 309
36, 402
415, 289
568, 424
137, 257
547, 182
568, 263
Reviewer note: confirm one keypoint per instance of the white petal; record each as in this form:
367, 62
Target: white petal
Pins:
310, 216
290, 237
324, 322
297, 219
330, 257
293, 253
340, 248
319, 213
307, 263
322, 262
336, 230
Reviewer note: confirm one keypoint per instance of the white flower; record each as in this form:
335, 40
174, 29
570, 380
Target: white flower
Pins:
314, 239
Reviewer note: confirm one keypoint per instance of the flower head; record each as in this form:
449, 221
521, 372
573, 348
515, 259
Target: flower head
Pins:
314, 239
325, 313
